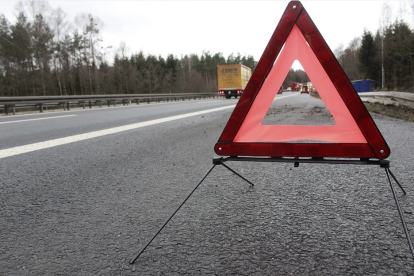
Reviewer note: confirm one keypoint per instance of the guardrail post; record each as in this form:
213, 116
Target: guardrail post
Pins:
90, 104
41, 108
13, 110
108, 103
6, 109
67, 106
83, 104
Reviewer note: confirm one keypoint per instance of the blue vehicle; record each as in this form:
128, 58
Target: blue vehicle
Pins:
363, 85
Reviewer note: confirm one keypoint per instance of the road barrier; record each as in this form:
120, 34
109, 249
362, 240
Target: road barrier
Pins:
66, 102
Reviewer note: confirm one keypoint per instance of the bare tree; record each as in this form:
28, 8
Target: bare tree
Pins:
90, 27
60, 27
385, 23
339, 54
33, 8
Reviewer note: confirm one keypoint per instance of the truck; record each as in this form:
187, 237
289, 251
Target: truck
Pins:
232, 79
295, 86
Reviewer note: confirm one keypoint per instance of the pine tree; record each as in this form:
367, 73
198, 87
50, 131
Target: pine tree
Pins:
368, 64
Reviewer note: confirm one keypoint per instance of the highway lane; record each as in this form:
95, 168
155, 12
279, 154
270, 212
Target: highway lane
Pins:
25, 129
35, 128
86, 208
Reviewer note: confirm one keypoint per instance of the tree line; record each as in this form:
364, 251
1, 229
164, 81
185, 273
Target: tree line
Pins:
387, 57
43, 54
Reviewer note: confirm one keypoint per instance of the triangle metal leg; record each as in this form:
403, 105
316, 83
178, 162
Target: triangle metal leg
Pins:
227, 167
396, 181
221, 160
407, 234
162, 227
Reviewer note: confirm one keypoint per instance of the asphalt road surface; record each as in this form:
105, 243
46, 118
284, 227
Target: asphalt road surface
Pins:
83, 191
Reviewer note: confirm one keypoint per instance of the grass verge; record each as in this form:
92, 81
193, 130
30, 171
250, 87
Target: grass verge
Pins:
400, 112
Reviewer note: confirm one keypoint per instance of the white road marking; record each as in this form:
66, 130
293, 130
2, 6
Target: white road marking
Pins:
80, 137
281, 97
211, 101
276, 98
47, 118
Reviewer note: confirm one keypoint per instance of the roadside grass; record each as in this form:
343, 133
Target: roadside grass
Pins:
399, 112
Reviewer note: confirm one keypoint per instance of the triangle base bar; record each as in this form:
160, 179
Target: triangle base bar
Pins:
320, 160
345, 150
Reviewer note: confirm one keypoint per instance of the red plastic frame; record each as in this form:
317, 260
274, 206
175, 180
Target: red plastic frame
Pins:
376, 147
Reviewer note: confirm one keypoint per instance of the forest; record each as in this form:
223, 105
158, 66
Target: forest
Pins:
42, 53
386, 56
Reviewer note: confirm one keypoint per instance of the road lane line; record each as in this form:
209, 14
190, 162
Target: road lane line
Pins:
56, 117
80, 137
276, 98
282, 97
212, 101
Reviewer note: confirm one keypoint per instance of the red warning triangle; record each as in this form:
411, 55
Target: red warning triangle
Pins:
354, 134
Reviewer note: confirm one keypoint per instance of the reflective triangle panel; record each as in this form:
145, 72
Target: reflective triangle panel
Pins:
354, 134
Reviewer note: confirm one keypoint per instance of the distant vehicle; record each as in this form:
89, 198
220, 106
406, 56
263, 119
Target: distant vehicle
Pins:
289, 89
310, 87
304, 89
232, 79
295, 86
363, 85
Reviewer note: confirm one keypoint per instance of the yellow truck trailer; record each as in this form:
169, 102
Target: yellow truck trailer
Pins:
232, 79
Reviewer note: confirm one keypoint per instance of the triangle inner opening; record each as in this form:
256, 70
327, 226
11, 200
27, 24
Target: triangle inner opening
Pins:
343, 130
298, 103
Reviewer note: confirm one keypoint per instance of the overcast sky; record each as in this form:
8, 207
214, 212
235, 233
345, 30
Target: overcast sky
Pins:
245, 27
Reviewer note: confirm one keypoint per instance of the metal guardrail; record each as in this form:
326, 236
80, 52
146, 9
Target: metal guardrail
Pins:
40, 102
389, 98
